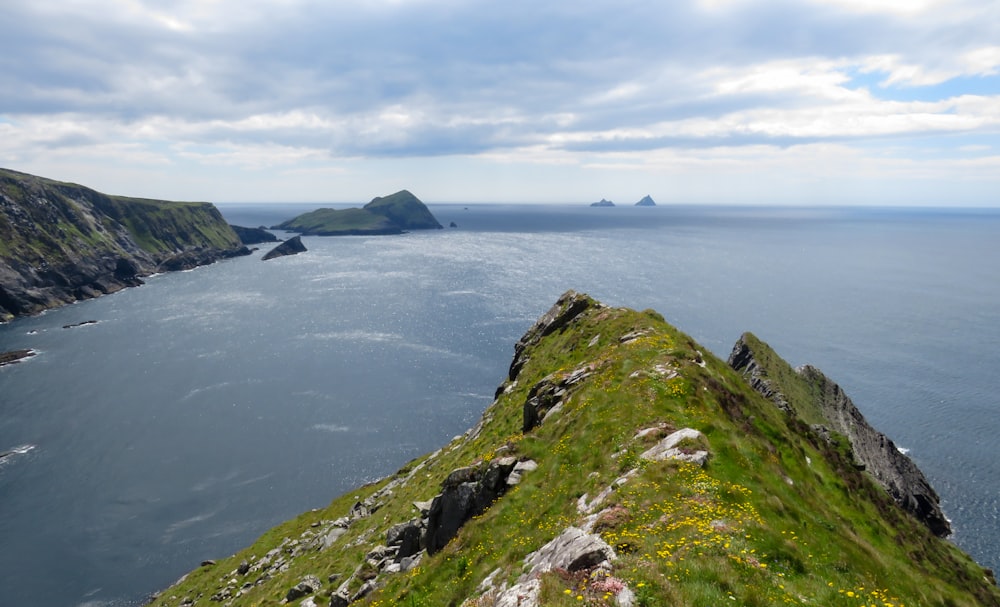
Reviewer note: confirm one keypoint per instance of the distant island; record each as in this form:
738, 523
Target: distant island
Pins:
647, 201
602, 203
392, 214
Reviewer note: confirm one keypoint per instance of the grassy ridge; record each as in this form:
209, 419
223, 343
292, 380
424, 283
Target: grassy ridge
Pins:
777, 516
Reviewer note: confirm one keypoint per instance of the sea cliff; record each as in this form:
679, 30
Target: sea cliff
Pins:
619, 464
62, 242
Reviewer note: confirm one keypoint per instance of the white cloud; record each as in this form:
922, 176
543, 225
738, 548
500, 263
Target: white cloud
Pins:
530, 89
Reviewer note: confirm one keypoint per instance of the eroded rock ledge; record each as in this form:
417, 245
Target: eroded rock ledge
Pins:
873, 450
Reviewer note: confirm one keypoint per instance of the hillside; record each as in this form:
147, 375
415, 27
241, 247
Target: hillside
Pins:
62, 242
392, 214
620, 464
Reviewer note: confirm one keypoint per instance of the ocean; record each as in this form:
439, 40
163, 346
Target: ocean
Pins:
206, 406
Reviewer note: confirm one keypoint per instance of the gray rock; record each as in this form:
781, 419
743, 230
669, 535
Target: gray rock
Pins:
873, 451
573, 549
406, 538
467, 492
569, 305
549, 393
667, 448
309, 585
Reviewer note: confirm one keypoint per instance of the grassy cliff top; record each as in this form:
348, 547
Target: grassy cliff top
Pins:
750, 507
383, 215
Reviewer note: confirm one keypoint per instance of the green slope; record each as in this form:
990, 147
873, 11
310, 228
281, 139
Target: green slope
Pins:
778, 515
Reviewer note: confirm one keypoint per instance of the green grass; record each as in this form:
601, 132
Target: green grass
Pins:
776, 517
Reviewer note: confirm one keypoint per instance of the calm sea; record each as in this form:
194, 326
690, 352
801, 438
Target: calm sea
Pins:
207, 406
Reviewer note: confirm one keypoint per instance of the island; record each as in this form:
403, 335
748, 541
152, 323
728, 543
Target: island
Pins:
621, 463
602, 203
393, 214
647, 201
292, 246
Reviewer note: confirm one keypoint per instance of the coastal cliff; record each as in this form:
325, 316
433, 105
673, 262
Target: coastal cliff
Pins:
62, 242
619, 464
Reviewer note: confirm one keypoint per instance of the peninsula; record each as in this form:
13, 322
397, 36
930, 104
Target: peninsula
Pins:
62, 242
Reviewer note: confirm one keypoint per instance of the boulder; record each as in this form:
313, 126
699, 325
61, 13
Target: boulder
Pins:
309, 585
668, 448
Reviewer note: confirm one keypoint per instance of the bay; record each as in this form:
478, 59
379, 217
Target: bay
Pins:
207, 406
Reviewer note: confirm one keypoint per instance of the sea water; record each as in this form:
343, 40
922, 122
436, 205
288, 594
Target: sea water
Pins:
207, 406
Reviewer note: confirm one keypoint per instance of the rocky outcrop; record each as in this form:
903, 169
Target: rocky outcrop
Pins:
250, 236
602, 203
894, 470
9, 358
872, 450
569, 305
62, 242
466, 493
547, 395
647, 201
292, 246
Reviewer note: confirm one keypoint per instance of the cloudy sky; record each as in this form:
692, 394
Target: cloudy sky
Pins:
889, 102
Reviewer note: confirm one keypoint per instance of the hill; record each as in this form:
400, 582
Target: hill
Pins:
62, 242
392, 214
620, 464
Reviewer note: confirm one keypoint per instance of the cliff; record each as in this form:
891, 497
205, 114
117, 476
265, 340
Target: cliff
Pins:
619, 464
62, 242
811, 396
393, 214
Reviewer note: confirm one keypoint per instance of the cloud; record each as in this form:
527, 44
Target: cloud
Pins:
299, 84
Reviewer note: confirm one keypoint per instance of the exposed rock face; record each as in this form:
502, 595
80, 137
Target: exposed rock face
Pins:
254, 235
548, 394
63, 242
467, 492
292, 246
893, 470
569, 305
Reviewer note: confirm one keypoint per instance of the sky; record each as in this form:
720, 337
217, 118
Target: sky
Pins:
805, 102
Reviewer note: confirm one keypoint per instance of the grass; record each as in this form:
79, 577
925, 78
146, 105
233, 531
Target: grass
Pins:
777, 516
